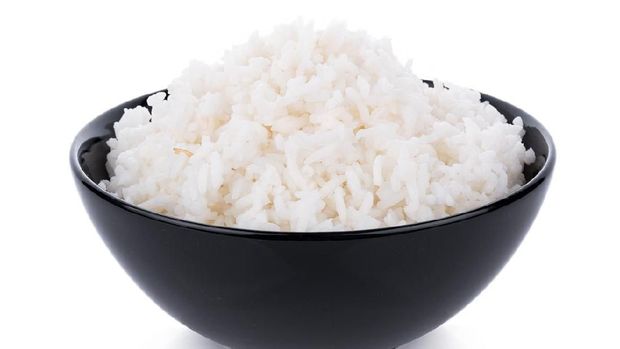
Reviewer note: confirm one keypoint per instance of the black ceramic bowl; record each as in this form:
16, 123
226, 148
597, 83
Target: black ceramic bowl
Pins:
363, 289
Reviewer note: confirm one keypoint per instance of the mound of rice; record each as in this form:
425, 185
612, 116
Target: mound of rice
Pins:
307, 130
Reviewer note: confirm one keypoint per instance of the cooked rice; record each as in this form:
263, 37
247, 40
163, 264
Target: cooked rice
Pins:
307, 130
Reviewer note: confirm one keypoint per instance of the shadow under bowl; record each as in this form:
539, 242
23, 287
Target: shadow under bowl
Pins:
376, 288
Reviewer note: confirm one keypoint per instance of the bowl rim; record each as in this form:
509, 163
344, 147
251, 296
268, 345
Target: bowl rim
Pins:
528, 187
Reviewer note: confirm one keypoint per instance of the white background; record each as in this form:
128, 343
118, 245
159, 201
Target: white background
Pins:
63, 63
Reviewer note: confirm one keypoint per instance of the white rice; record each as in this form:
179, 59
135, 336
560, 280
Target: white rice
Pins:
306, 130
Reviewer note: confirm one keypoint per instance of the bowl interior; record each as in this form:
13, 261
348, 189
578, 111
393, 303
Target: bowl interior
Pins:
535, 137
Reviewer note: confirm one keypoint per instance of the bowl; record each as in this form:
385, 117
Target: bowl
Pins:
376, 288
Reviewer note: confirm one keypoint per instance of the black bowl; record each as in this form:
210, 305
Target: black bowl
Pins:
375, 288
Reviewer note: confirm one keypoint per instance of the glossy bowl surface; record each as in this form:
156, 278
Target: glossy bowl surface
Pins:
375, 288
